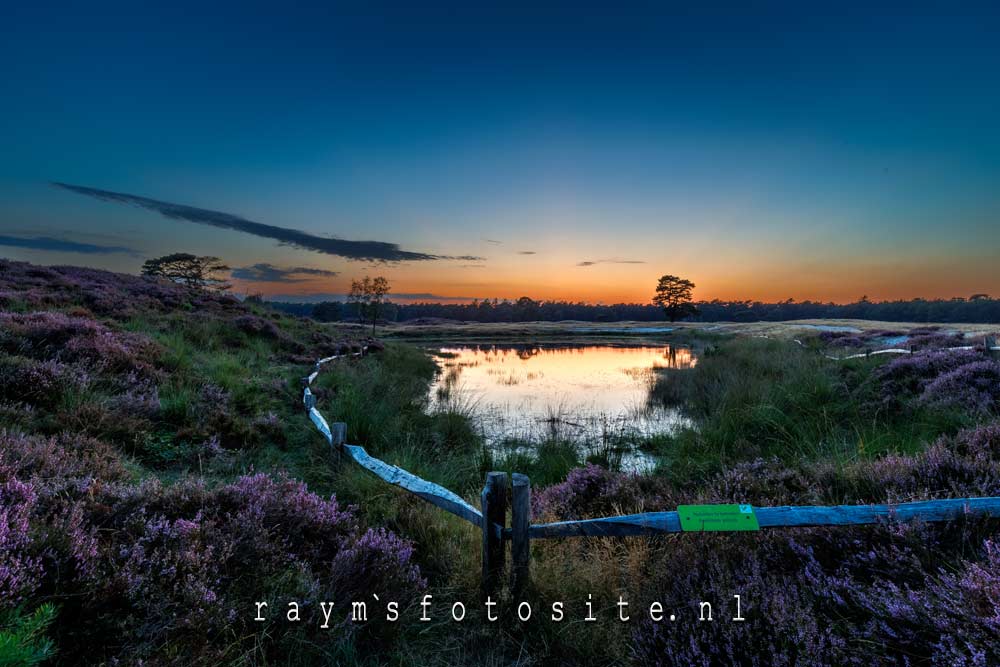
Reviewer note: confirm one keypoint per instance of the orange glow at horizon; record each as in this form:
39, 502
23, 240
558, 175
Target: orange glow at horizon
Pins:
608, 285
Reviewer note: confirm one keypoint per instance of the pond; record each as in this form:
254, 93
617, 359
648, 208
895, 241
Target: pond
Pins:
594, 395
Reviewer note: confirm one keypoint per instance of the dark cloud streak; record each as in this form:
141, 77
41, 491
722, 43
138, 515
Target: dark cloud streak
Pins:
268, 273
374, 251
610, 261
62, 245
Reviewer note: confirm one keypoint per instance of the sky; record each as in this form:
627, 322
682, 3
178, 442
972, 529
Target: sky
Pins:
555, 151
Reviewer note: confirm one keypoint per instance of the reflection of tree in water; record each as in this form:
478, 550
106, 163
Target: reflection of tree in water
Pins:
677, 358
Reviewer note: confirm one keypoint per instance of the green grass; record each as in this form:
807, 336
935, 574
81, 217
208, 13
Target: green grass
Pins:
765, 398
544, 463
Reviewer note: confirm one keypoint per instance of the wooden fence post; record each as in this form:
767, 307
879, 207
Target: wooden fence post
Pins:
339, 432
520, 520
494, 500
989, 342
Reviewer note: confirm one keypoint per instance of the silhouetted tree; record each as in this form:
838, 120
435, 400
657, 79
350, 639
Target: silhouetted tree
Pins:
673, 295
369, 294
188, 269
527, 309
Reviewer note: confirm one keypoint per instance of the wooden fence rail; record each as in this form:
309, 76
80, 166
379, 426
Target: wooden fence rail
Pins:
788, 516
496, 499
336, 435
989, 345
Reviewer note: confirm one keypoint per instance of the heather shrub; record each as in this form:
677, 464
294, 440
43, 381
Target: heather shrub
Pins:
53, 335
20, 565
252, 325
40, 383
191, 562
181, 566
588, 491
870, 338
905, 378
929, 338
15, 412
936, 472
782, 626
107, 294
981, 443
889, 587
763, 482
63, 457
973, 388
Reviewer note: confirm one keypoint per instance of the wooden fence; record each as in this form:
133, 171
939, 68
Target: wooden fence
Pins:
989, 345
497, 497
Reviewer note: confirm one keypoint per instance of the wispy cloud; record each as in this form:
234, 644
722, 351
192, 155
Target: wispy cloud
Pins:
374, 251
526, 252
493, 241
269, 273
610, 261
62, 245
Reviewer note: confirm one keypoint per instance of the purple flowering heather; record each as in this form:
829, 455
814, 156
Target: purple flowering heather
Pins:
587, 491
118, 295
191, 560
906, 377
61, 458
381, 561
981, 443
54, 335
175, 568
973, 388
41, 383
20, 568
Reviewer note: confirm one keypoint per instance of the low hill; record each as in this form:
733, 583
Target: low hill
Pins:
152, 444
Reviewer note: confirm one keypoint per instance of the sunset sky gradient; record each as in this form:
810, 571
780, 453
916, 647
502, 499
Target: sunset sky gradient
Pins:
765, 153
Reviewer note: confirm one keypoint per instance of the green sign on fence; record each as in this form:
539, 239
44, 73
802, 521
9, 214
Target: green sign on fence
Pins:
699, 518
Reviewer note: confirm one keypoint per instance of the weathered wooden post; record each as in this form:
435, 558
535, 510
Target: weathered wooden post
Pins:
494, 499
338, 433
520, 520
989, 342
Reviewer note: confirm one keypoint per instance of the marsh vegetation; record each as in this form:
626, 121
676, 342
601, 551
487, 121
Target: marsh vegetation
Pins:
158, 476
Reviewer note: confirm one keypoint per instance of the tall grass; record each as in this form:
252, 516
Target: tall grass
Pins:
753, 398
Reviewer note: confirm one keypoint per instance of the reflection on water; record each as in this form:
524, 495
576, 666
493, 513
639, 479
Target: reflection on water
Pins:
595, 395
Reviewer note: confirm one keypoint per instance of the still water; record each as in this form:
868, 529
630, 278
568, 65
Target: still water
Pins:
594, 395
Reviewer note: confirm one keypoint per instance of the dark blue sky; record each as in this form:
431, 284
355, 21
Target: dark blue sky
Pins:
765, 152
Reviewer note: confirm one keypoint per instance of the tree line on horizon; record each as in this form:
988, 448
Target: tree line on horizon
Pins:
672, 301
978, 309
